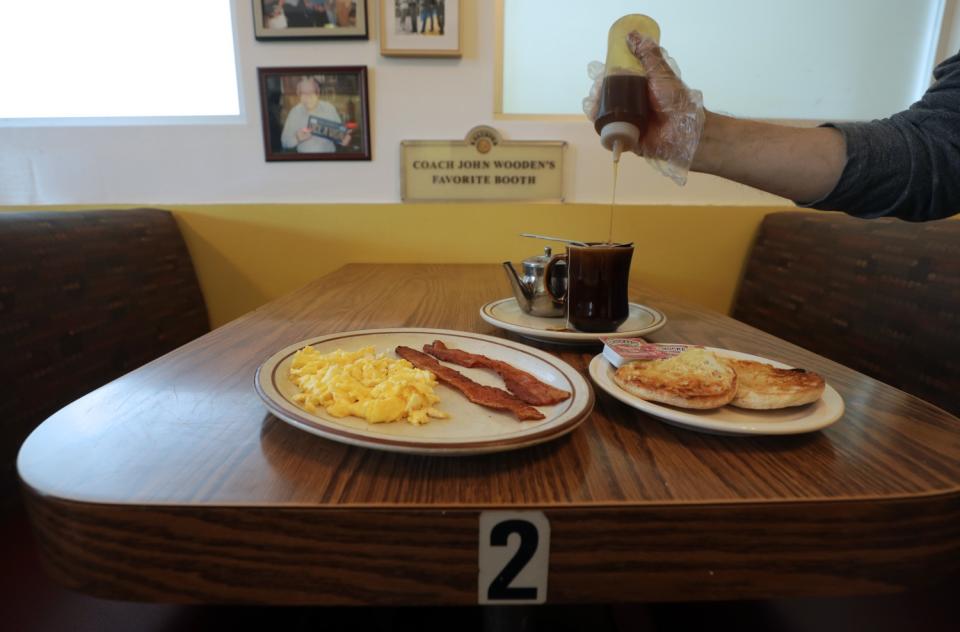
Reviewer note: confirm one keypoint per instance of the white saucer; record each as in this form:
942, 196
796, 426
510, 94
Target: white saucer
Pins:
506, 314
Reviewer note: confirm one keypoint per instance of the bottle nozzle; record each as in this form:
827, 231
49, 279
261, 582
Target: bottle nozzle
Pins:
618, 137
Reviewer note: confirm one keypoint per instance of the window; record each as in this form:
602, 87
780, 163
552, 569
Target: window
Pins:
88, 61
791, 59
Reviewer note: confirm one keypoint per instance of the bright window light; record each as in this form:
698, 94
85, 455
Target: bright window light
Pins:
142, 58
789, 59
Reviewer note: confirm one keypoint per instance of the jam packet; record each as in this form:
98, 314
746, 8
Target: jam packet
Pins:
619, 351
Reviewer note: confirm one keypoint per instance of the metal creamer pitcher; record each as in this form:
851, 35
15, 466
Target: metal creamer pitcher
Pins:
531, 289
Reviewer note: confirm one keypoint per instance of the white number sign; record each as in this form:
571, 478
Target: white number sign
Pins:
514, 557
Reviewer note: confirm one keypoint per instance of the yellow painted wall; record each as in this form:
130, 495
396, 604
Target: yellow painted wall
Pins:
246, 255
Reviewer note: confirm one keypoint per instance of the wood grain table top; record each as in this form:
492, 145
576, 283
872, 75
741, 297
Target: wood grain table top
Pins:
186, 442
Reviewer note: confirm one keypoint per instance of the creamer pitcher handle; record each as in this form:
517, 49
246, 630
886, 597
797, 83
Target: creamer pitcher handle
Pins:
548, 274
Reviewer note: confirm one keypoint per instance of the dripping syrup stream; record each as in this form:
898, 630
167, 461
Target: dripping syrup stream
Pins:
613, 200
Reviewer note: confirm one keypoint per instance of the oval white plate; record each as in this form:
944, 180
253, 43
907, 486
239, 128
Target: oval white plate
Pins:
729, 419
506, 314
471, 429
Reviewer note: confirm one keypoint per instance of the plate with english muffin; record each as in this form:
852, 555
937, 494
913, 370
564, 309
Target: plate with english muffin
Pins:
716, 390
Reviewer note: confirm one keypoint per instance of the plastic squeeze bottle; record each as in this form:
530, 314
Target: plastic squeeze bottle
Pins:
622, 115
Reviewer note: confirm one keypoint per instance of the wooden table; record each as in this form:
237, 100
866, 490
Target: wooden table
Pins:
173, 483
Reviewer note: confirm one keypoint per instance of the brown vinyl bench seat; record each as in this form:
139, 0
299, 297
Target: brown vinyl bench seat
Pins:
880, 296
85, 297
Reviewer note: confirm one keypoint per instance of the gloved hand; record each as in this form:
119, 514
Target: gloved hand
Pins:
677, 116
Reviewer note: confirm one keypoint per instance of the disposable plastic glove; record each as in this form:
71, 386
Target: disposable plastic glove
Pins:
676, 119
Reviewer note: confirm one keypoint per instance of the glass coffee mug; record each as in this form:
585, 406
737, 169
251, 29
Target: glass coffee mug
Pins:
597, 274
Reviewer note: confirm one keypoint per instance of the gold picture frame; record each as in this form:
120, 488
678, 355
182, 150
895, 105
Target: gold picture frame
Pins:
421, 28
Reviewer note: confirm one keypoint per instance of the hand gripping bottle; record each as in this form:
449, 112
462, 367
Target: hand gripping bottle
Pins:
622, 113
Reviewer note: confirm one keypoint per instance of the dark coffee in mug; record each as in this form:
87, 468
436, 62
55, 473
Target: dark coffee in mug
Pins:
597, 279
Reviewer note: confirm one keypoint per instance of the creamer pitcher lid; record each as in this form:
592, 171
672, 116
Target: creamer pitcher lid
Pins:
538, 262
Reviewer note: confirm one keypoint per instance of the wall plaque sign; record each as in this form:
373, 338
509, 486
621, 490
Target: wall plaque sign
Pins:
482, 167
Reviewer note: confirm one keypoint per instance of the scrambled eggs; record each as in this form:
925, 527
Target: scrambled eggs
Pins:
364, 384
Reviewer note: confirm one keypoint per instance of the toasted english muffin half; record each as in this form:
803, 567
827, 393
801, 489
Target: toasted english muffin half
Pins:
764, 387
696, 378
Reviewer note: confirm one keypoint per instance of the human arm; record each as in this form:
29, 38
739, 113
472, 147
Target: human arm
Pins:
906, 166
798, 163
793, 162
296, 121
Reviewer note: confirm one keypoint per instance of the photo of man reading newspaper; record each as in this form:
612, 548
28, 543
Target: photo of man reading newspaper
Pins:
313, 125
315, 115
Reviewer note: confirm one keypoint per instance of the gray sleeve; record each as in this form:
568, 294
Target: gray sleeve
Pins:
296, 120
908, 165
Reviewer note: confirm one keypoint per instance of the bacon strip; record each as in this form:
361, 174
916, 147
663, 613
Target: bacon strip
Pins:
477, 393
520, 383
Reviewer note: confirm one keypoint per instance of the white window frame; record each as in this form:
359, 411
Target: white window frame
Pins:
945, 45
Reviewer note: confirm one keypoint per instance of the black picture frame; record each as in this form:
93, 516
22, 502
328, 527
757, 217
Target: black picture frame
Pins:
333, 125
310, 20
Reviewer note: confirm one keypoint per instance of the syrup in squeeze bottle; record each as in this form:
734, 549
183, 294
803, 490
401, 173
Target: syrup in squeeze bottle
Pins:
623, 110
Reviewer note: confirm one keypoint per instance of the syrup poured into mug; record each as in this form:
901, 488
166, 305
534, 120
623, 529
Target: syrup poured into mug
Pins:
613, 200
623, 110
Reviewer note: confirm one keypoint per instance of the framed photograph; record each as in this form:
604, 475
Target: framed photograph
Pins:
420, 28
315, 113
309, 19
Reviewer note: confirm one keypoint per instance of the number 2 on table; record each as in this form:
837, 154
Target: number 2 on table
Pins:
514, 557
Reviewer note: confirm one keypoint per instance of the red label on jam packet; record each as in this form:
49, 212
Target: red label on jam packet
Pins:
621, 350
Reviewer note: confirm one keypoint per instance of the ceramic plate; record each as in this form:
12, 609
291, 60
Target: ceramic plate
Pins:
471, 429
506, 314
729, 419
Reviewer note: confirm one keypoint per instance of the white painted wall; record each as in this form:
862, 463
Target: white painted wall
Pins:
410, 99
